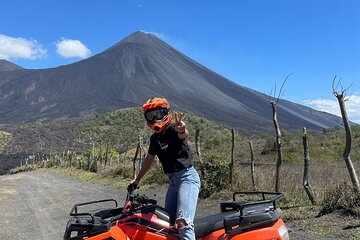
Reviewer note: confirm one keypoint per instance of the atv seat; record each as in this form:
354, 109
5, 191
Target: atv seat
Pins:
160, 212
206, 225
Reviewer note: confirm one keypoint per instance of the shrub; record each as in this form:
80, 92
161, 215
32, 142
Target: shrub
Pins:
125, 171
217, 174
155, 175
341, 197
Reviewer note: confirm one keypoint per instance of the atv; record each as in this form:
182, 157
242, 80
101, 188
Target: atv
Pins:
142, 219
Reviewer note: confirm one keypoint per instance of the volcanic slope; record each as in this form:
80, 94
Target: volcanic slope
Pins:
8, 66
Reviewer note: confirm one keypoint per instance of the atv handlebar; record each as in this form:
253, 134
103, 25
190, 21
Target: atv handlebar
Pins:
134, 201
140, 199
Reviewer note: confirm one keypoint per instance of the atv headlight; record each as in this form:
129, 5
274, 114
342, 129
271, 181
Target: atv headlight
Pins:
283, 232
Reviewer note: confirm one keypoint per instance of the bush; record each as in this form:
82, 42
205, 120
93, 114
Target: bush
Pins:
341, 197
289, 157
124, 171
49, 163
217, 174
155, 175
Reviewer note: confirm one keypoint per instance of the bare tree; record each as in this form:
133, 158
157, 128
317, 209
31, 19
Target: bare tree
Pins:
278, 133
231, 165
134, 160
107, 150
306, 182
99, 157
141, 150
252, 165
198, 152
341, 97
92, 161
129, 138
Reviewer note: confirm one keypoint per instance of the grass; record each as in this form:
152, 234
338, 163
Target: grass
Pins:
108, 180
102, 178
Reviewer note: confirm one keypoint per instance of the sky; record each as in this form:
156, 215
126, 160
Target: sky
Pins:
254, 43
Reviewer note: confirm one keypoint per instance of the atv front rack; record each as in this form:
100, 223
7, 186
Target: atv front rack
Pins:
102, 214
252, 214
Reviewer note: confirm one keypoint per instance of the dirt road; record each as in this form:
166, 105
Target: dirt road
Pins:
35, 205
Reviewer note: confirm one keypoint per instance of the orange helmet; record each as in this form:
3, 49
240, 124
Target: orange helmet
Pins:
157, 113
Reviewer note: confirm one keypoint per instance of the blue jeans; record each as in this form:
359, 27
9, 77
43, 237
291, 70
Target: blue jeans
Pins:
181, 199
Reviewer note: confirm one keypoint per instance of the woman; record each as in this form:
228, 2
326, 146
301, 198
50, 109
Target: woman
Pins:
168, 142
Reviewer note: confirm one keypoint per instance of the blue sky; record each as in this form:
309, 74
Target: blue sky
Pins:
253, 43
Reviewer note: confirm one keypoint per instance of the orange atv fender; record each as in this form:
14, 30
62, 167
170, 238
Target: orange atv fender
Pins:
114, 233
267, 233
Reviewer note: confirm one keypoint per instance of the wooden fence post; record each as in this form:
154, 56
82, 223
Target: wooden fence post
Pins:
252, 165
107, 151
198, 152
279, 146
141, 150
306, 183
134, 160
231, 165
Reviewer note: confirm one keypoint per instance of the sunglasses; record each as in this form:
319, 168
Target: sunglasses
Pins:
155, 115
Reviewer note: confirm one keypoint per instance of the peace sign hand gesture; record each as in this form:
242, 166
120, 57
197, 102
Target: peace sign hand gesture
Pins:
180, 126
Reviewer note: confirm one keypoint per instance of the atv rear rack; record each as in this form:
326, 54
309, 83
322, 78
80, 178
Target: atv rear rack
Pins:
252, 214
86, 224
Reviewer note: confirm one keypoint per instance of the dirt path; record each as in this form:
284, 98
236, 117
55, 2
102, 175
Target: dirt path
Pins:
35, 205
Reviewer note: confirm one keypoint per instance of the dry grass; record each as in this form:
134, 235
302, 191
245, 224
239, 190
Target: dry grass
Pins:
337, 211
324, 179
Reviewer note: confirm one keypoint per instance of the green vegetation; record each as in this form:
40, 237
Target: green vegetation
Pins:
5, 137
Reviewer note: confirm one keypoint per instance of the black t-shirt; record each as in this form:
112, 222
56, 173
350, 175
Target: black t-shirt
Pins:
173, 152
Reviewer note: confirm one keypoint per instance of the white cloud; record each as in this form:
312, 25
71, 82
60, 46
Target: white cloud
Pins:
69, 48
14, 48
332, 106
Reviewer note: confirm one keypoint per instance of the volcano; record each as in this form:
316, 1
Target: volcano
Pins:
137, 68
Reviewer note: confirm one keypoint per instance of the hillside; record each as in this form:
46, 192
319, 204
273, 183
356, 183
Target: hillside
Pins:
8, 66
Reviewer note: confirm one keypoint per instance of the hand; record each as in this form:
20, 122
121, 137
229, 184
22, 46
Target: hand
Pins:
179, 124
132, 186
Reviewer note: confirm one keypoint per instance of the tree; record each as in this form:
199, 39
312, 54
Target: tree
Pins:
252, 165
198, 152
231, 164
306, 182
341, 97
278, 133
